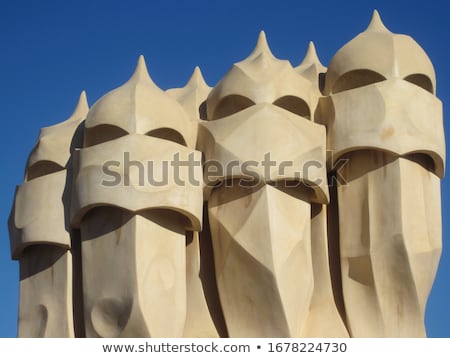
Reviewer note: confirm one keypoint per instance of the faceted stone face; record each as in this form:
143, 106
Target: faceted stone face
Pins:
322, 217
281, 146
391, 249
45, 307
373, 112
144, 253
260, 237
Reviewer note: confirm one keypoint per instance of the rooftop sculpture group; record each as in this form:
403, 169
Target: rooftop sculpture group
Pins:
284, 202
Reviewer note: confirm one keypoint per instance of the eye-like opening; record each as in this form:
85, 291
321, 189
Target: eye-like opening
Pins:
41, 168
167, 134
168, 218
230, 105
421, 80
295, 105
202, 114
423, 160
101, 134
110, 218
296, 188
356, 79
48, 255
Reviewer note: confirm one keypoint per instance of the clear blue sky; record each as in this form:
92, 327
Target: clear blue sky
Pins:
52, 50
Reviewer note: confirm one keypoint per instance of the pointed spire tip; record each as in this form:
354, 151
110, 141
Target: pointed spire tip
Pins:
262, 46
262, 36
376, 24
197, 71
262, 40
141, 65
141, 71
83, 96
311, 66
311, 52
311, 56
82, 102
197, 78
81, 108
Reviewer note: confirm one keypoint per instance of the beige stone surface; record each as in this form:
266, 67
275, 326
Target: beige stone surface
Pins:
383, 118
137, 225
260, 78
193, 96
199, 314
390, 243
260, 236
324, 319
276, 135
393, 115
40, 235
145, 184
312, 69
139, 107
53, 148
45, 304
134, 265
378, 54
32, 216
215, 211
199, 322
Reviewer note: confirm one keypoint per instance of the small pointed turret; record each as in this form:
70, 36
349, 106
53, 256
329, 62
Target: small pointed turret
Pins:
311, 65
311, 56
193, 94
54, 142
197, 79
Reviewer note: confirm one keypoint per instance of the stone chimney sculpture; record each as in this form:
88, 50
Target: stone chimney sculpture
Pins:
283, 202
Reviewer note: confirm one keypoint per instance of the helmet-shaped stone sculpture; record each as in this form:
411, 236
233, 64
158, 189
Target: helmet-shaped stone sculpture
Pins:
383, 117
132, 133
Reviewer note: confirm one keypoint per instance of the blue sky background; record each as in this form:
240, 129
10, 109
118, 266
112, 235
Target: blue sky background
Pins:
52, 50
